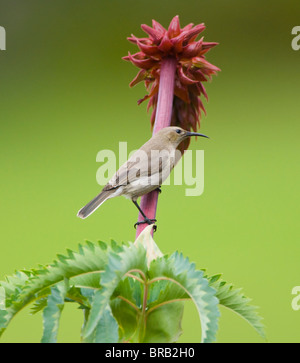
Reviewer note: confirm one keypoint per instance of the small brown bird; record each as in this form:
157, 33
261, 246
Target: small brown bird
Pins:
144, 171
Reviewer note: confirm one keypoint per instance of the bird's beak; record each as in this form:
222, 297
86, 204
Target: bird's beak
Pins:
188, 134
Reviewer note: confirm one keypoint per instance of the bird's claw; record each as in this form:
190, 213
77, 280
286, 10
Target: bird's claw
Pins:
148, 221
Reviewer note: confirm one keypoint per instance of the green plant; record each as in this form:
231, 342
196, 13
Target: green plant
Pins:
127, 293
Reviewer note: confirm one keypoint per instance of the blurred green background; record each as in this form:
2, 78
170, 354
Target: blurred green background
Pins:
64, 96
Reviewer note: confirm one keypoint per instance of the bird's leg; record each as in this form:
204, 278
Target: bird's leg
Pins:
146, 219
159, 189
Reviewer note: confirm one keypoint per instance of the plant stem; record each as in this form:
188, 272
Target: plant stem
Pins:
162, 119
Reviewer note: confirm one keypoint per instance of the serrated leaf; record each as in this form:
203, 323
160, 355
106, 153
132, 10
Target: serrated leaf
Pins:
127, 292
26, 286
52, 312
3, 312
2, 298
107, 329
234, 299
39, 305
180, 271
115, 246
130, 258
3, 320
80, 296
13, 286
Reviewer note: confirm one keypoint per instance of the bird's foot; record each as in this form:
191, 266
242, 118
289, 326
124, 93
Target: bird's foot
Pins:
148, 221
158, 189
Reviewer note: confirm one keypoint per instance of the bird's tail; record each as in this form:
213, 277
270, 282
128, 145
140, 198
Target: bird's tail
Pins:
94, 204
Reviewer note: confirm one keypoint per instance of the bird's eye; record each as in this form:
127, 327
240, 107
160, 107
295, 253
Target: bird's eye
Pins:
178, 131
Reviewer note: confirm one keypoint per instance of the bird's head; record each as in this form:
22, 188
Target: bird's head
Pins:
175, 135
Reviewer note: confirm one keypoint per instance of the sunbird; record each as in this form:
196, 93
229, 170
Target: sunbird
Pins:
144, 171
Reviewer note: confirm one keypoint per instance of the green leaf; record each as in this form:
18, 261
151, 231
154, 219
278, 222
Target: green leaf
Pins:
3, 312
52, 312
80, 296
128, 293
39, 305
2, 298
181, 272
24, 287
10, 288
234, 299
126, 304
131, 290
107, 329
128, 318
132, 258
13, 286
162, 291
164, 323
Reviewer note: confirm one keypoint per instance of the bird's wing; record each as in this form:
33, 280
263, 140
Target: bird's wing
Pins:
131, 170
143, 164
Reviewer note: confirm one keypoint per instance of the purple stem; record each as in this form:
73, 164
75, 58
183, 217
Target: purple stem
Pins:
162, 119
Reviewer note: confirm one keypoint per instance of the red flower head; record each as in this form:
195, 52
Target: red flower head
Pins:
192, 69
